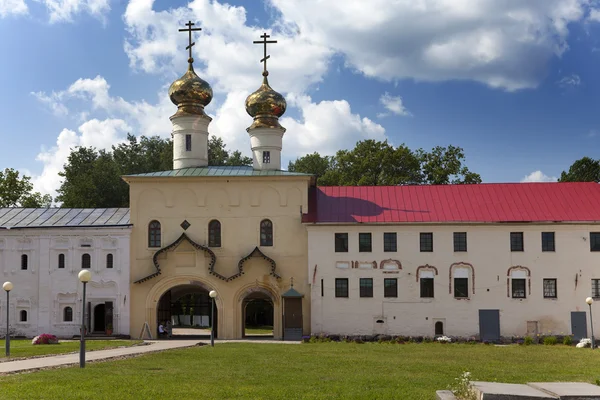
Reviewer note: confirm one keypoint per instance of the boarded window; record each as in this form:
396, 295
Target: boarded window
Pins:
154, 234
214, 233
266, 233
426, 287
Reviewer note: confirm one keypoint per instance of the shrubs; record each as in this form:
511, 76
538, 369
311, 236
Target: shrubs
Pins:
45, 338
567, 341
550, 340
528, 340
463, 388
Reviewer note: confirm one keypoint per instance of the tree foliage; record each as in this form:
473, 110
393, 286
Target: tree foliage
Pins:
92, 178
585, 169
16, 191
374, 163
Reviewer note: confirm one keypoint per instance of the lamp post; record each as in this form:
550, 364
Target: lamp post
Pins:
589, 300
8, 286
212, 295
84, 276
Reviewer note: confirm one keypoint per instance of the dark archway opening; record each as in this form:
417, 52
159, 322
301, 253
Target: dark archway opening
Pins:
99, 322
185, 311
258, 316
439, 328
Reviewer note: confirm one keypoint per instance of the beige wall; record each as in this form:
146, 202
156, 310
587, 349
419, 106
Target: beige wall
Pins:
239, 204
572, 264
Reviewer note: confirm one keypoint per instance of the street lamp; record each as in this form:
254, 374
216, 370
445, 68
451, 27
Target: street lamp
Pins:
589, 300
8, 286
212, 295
84, 276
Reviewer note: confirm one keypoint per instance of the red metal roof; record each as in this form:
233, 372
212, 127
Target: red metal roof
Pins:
487, 202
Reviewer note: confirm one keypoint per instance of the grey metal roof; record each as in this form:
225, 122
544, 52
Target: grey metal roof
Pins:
16, 217
218, 171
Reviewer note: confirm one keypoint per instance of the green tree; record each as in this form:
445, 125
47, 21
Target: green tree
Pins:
444, 165
219, 156
16, 191
314, 164
585, 169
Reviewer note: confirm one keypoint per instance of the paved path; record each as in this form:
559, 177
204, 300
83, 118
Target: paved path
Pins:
68, 359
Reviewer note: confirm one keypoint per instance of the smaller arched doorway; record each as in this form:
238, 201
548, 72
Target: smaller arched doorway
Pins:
257, 315
439, 328
188, 309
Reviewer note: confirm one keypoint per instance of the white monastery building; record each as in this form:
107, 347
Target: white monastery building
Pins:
485, 260
41, 253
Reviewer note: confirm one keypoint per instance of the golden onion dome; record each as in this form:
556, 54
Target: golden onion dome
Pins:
190, 93
266, 106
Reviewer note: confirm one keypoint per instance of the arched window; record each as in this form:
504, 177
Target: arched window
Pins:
439, 328
68, 314
109, 260
266, 233
23, 316
24, 261
214, 233
154, 234
86, 261
61, 260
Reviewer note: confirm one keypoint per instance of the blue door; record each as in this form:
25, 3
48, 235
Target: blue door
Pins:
579, 325
489, 325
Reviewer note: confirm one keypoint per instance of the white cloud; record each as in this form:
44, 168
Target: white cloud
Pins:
16, 7
65, 10
569, 81
594, 15
393, 104
53, 101
99, 134
539, 176
504, 44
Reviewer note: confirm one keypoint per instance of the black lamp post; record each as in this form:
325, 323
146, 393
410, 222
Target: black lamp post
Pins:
213, 295
589, 300
84, 276
8, 286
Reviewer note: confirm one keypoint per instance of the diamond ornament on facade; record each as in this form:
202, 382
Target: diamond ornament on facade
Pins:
185, 224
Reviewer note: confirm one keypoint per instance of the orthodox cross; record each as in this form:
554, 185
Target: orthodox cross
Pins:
264, 42
190, 30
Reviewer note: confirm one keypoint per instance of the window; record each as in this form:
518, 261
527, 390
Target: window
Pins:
460, 241
154, 234
550, 289
547, 241
341, 287
426, 241
266, 157
461, 288
516, 241
341, 242
364, 242
61, 260
188, 142
426, 287
518, 288
24, 261
390, 287
214, 233
390, 242
109, 260
23, 316
594, 241
86, 261
266, 233
366, 287
595, 288
68, 314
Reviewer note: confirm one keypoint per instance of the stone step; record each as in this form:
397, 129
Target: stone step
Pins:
569, 390
509, 391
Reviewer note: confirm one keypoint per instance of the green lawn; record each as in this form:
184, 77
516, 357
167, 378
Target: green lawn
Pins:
258, 330
24, 348
306, 371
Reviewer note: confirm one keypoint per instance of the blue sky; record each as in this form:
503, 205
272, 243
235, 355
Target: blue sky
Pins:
514, 83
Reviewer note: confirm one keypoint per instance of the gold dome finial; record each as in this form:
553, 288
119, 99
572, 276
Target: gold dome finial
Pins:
190, 93
265, 105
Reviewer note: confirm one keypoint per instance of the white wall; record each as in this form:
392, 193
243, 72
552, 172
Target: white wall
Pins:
44, 290
572, 264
